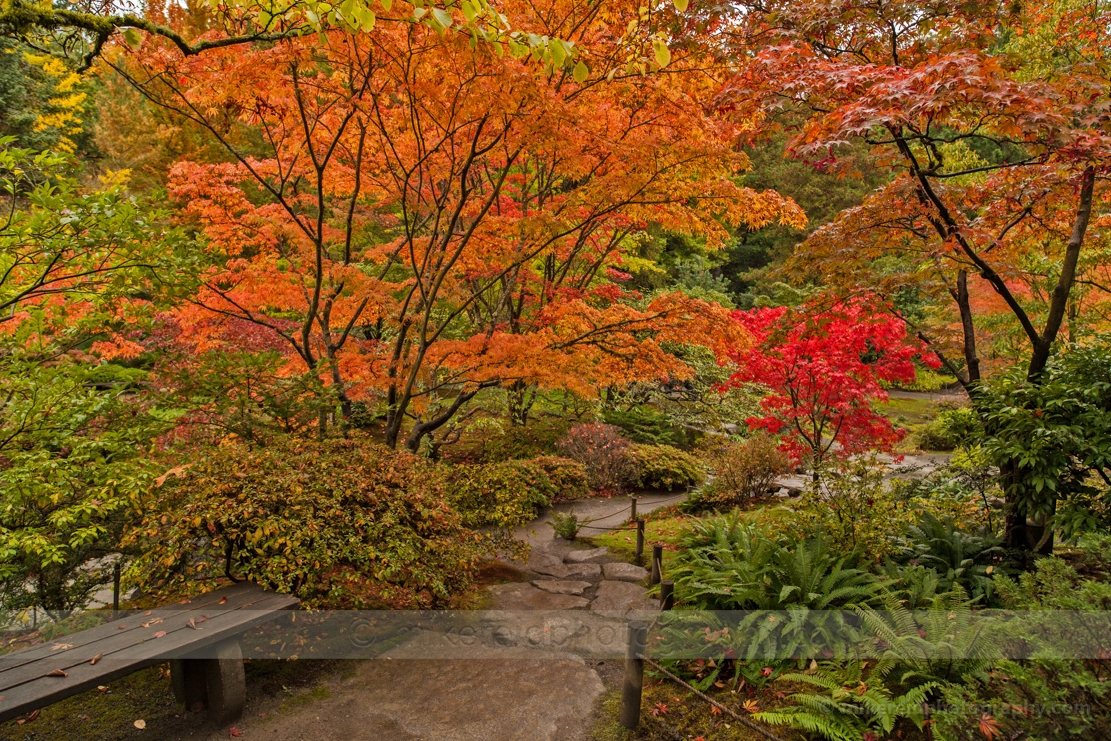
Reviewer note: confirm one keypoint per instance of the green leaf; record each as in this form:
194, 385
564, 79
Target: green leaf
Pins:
680, 5
468, 11
387, 4
442, 17
132, 37
580, 72
555, 48
663, 54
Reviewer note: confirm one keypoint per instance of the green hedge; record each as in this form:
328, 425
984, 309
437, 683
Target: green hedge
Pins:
339, 523
501, 494
667, 468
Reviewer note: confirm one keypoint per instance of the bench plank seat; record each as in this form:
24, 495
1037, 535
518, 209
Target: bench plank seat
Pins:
126, 646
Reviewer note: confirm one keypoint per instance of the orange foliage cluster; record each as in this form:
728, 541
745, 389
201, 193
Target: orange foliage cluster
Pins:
412, 216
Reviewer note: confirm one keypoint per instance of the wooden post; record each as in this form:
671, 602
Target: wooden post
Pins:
667, 594
634, 675
116, 590
640, 540
633, 509
657, 564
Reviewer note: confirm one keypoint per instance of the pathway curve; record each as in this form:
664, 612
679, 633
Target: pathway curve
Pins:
530, 676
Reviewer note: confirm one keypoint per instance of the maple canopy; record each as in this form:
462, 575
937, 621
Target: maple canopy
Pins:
995, 121
413, 219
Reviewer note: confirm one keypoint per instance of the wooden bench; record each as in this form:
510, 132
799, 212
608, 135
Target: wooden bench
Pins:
199, 638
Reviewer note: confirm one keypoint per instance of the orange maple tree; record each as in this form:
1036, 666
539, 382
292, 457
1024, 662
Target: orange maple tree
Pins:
991, 227
418, 220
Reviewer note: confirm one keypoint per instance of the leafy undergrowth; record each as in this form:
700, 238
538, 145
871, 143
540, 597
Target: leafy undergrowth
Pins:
669, 712
146, 695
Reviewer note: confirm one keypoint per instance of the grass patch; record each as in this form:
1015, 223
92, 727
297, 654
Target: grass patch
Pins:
907, 412
664, 530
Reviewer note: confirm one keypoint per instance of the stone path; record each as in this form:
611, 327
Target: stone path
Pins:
530, 675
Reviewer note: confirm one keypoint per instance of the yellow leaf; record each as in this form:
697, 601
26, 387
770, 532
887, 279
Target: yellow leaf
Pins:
580, 72
680, 5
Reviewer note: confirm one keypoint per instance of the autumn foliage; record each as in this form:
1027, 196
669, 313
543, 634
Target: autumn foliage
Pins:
412, 220
824, 368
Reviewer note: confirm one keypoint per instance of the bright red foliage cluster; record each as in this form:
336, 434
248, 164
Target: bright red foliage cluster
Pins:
824, 368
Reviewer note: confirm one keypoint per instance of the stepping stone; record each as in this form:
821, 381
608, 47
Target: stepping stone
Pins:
584, 556
561, 587
542, 562
620, 571
615, 598
582, 570
517, 596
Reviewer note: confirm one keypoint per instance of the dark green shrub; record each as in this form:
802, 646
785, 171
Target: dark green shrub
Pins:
668, 468
339, 523
953, 428
567, 526
568, 477
647, 427
501, 494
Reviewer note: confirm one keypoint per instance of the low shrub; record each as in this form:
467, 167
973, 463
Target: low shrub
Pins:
568, 477
338, 523
952, 429
611, 466
667, 468
503, 494
853, 507
742, 472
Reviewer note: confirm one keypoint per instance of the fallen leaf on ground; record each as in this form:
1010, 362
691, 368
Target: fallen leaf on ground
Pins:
223, 600
146, 613
96, 658
193, 624
159, 634
102, 688
29, 718
57, 673
121, 627
140, 724
234, 732
61, 646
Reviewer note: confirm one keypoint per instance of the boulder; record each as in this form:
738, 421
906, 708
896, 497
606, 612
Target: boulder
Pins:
616, 598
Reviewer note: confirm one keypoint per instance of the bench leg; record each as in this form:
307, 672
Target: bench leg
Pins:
218, 683
227, 685
188, 679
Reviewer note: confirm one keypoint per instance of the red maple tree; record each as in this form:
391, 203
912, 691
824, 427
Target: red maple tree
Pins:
825, 367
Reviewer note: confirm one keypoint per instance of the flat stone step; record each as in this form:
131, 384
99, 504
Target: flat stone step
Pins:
620, 571
561, 586
518, 596
616, 598
585, 556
